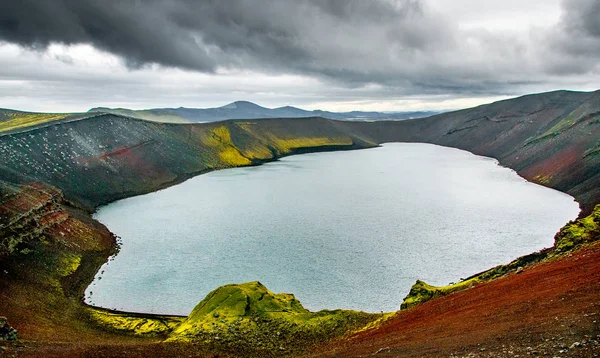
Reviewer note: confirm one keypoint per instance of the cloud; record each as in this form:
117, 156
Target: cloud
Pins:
135, 30
403, 47
351, 41
574, 45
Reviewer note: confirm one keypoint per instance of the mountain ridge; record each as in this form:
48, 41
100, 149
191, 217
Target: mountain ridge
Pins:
250, 110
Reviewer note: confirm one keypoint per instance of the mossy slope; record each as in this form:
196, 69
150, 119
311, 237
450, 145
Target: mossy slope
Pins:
133, 323
245, 319
248, 318
229, 303
421, 292
49, 253
12, 120
578, 232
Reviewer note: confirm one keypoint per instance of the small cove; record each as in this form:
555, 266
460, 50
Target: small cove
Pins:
339, 229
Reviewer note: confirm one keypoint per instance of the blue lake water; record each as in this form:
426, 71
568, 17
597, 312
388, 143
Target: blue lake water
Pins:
351, 229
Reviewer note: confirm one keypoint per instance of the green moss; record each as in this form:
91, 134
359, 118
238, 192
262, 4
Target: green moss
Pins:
578, 232
64, 265
67, 264
143, 325
542, 179
243, 300
230, 303
287, 146
421, 292
249, 315
219, 140
16, 120
384, 317
564, 124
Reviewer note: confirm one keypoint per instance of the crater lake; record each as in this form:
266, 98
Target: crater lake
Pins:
351, 229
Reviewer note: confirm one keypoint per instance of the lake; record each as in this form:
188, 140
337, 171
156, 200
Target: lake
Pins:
351, 229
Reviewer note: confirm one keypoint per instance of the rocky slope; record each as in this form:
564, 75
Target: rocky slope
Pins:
48, 255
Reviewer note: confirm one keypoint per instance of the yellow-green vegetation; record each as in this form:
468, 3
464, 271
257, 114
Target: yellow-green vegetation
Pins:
219, 139
421, 291
67, 264
258, 149
378, 322
542, 179
559, 127
232, 156
578, 232
564, 124
11, 120
227, 304
144, 325
570, 237
249, 315
290, 144
268, 141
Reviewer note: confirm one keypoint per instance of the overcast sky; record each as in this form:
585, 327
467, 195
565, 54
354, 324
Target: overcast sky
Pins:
71, 55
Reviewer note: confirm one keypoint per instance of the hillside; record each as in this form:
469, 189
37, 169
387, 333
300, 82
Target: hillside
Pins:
53, 173
107, 157
550, 138
249, 110
12, 121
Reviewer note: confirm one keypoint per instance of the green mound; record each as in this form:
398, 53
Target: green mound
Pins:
248, 318
421, 292
227, 304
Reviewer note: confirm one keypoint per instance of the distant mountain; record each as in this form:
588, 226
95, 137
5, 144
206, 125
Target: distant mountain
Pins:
249, 110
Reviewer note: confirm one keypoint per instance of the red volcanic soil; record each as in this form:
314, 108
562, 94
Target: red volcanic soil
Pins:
560, 160
550, 309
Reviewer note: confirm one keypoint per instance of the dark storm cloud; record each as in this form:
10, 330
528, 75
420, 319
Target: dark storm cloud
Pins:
583, 17
349, 40
400, 44
135, 30
573, 46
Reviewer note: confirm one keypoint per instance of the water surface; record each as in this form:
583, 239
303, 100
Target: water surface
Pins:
350, 229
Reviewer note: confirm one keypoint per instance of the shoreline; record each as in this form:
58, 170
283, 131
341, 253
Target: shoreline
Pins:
397, 299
